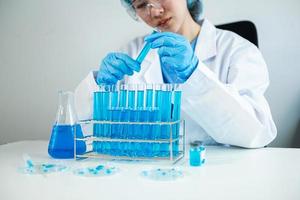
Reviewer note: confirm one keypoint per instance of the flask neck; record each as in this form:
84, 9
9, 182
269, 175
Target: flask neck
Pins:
66, 114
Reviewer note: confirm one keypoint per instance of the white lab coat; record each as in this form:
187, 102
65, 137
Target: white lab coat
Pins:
222, 101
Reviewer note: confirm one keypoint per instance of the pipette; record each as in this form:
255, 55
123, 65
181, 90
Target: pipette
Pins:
144, 51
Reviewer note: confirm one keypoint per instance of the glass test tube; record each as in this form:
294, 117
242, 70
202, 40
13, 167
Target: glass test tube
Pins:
166, 108
99, 113
133, 117
148, 129
176, 106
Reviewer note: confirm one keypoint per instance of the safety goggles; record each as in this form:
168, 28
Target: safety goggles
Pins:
144, 8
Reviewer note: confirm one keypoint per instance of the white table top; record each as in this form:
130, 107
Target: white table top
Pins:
230, 173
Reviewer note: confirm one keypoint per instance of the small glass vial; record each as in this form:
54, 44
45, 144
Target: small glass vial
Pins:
197, 153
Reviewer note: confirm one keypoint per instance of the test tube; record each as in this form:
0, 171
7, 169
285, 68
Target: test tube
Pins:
176, 102
142, 117
133, 114
157, 118
144, 51
114, 111
101, 101
166, 108
141, 110
148, 112
124, 115
133, 117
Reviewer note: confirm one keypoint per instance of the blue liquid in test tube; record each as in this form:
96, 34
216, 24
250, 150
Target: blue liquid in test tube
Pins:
149, 109
149, 113
115, 117
101, 102
97, 116
165, 117
124, 113
140, 118
156, 129
176, 117
133, 116
144, 51
141, 114
124, 117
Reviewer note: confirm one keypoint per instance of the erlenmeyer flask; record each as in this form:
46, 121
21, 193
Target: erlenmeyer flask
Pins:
61, 144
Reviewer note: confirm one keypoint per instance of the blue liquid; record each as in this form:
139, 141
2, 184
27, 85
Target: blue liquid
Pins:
143, 129
149, 98
176, 117
115, 117
177, 105
101, 104
153, 116
131, 99
141, 115
122, 98
132, 129
124, 117
61, 144
144, 51
195, 159
115, 106
132, 115
114, 114
165, 108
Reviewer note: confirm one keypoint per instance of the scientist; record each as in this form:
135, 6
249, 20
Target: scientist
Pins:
224, 77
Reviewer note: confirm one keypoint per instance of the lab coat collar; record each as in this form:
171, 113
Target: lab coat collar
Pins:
205, 49
207, 41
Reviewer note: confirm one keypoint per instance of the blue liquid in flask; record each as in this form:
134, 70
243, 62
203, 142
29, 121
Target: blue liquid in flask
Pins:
61, 143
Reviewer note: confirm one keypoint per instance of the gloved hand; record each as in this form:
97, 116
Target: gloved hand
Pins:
114, 66
176, 55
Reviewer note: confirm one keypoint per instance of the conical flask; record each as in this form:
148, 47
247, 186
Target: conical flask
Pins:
61, 144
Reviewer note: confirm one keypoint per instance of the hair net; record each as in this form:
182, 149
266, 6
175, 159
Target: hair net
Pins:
195, 7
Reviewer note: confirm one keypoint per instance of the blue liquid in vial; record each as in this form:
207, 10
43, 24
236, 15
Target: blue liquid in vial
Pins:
61, 143
195, 159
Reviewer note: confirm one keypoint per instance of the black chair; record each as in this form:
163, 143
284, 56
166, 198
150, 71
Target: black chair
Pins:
246, 29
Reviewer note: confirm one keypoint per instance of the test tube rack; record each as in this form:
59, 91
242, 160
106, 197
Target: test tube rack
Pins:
125, 149
135, 122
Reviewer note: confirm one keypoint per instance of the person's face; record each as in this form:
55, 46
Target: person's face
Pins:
165, 15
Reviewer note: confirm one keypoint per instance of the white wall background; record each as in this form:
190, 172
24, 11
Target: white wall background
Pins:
48, 45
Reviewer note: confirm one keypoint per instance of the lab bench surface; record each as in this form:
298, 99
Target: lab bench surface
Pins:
229, 173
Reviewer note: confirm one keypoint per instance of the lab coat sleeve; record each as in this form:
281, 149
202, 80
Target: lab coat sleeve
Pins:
235, 112
84, 96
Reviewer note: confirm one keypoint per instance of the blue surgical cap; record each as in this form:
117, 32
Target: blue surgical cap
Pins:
195, 7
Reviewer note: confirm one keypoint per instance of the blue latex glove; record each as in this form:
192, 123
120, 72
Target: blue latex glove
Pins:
177, 57
114, 66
